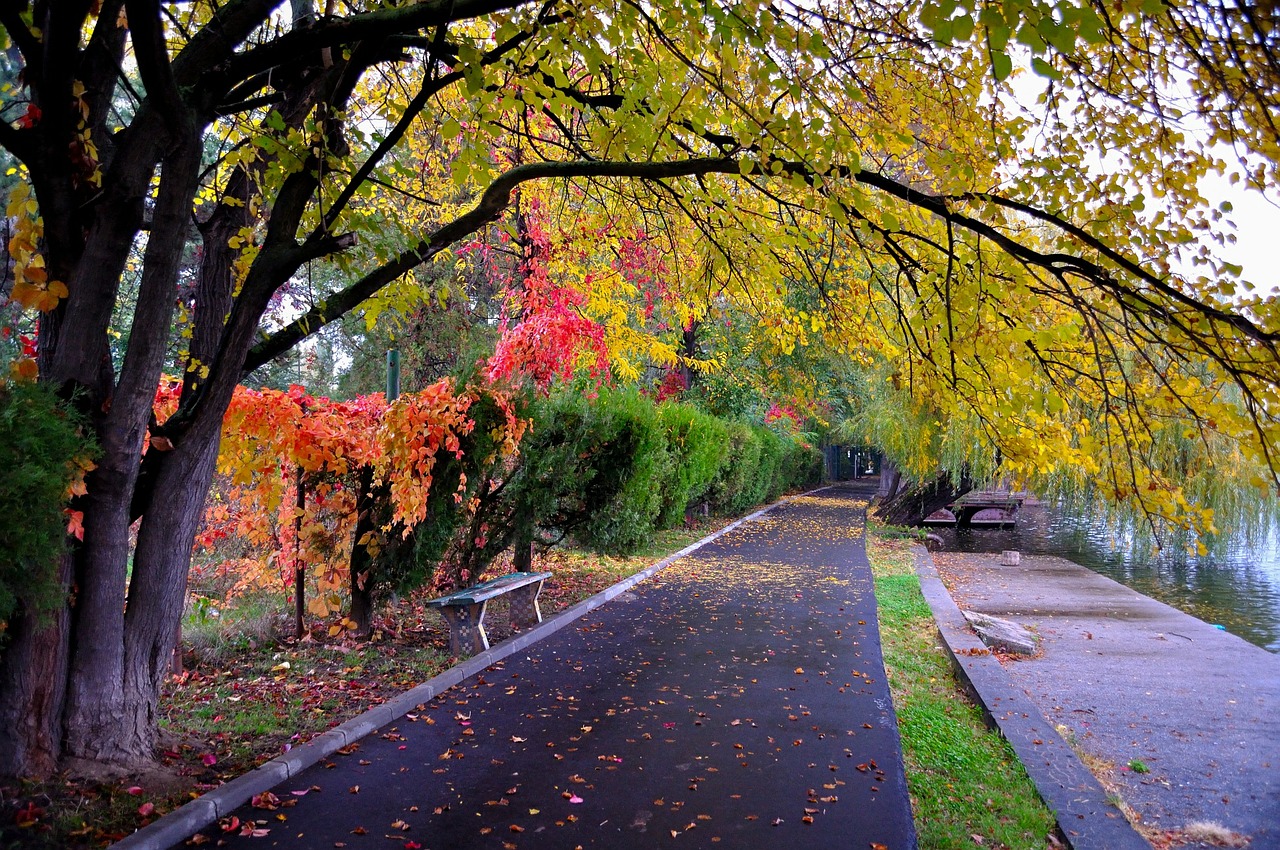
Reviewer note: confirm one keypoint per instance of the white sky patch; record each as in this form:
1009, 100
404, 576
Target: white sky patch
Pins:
1257, 231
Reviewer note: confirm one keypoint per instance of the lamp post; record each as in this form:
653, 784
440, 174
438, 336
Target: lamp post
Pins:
393, 374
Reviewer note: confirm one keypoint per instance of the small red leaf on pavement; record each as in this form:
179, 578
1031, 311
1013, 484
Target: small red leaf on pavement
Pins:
146, 809
134, 790
265, 800
209, 759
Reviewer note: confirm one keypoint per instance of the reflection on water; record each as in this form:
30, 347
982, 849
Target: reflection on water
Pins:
1237, 586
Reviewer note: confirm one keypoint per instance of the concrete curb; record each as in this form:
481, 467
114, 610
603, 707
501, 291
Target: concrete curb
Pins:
1072, 793
183, 822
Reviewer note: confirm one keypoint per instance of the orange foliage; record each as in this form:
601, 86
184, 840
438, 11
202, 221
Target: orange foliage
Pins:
271, 438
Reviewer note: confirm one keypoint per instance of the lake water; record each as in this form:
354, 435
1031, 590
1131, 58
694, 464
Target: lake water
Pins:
1237, 586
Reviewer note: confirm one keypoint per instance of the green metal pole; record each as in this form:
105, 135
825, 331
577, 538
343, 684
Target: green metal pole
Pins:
393, 374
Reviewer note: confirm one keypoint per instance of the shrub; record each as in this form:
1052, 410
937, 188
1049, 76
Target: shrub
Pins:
457, 539
731, 491
696, 443
802, 466
632, 463
768, 484
41, 453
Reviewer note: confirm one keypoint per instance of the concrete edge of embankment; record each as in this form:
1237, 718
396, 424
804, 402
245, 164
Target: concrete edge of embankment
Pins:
1074, 795
190, 818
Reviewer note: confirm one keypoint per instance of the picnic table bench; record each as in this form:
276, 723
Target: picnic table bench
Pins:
464, 609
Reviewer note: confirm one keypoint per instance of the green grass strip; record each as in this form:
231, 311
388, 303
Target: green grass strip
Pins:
968, 789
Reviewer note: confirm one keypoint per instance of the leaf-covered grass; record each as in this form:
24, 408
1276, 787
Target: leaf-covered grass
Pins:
967, 787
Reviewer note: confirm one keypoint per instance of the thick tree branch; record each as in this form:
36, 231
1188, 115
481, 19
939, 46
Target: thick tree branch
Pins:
1058, 264
152, 56
215, 42
335, 32
26, 42
1235, 320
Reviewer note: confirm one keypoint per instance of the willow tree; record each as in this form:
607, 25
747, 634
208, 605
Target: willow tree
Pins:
281, 138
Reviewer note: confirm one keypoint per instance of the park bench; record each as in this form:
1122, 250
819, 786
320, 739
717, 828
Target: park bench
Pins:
464, 609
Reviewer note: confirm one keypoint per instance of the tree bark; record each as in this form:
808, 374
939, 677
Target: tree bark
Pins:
890, 480
158, 587
33, 680
361, 564
299, 571
690, 351
97, 718
522, 560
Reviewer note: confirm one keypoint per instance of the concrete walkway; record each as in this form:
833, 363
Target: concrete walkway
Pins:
735, 700
1132, 681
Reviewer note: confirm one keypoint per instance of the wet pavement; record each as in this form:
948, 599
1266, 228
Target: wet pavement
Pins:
735, 700
1187, 715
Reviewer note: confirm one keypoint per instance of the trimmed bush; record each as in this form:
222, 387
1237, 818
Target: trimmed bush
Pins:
731, 491
697, 445
768, 484
638, 441
606, 471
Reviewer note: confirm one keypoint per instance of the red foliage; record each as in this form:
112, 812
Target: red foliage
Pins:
783, 416
551, 333
672, 385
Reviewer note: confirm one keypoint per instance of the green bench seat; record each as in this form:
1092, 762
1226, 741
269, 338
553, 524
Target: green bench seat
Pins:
464, 609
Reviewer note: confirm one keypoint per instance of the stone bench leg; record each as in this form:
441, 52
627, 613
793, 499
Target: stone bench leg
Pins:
524, 607
466, 629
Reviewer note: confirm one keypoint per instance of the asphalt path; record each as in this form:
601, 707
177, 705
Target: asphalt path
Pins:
736, 700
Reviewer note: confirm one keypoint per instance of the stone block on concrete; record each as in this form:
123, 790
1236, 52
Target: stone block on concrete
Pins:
1003, 635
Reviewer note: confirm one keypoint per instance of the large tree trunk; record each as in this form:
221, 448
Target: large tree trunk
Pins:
890, 480
98, 711
158, 588
33, 680
914, 503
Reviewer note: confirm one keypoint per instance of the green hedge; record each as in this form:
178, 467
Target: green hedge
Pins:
609, 471
606, 471
697, 448
593, 468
